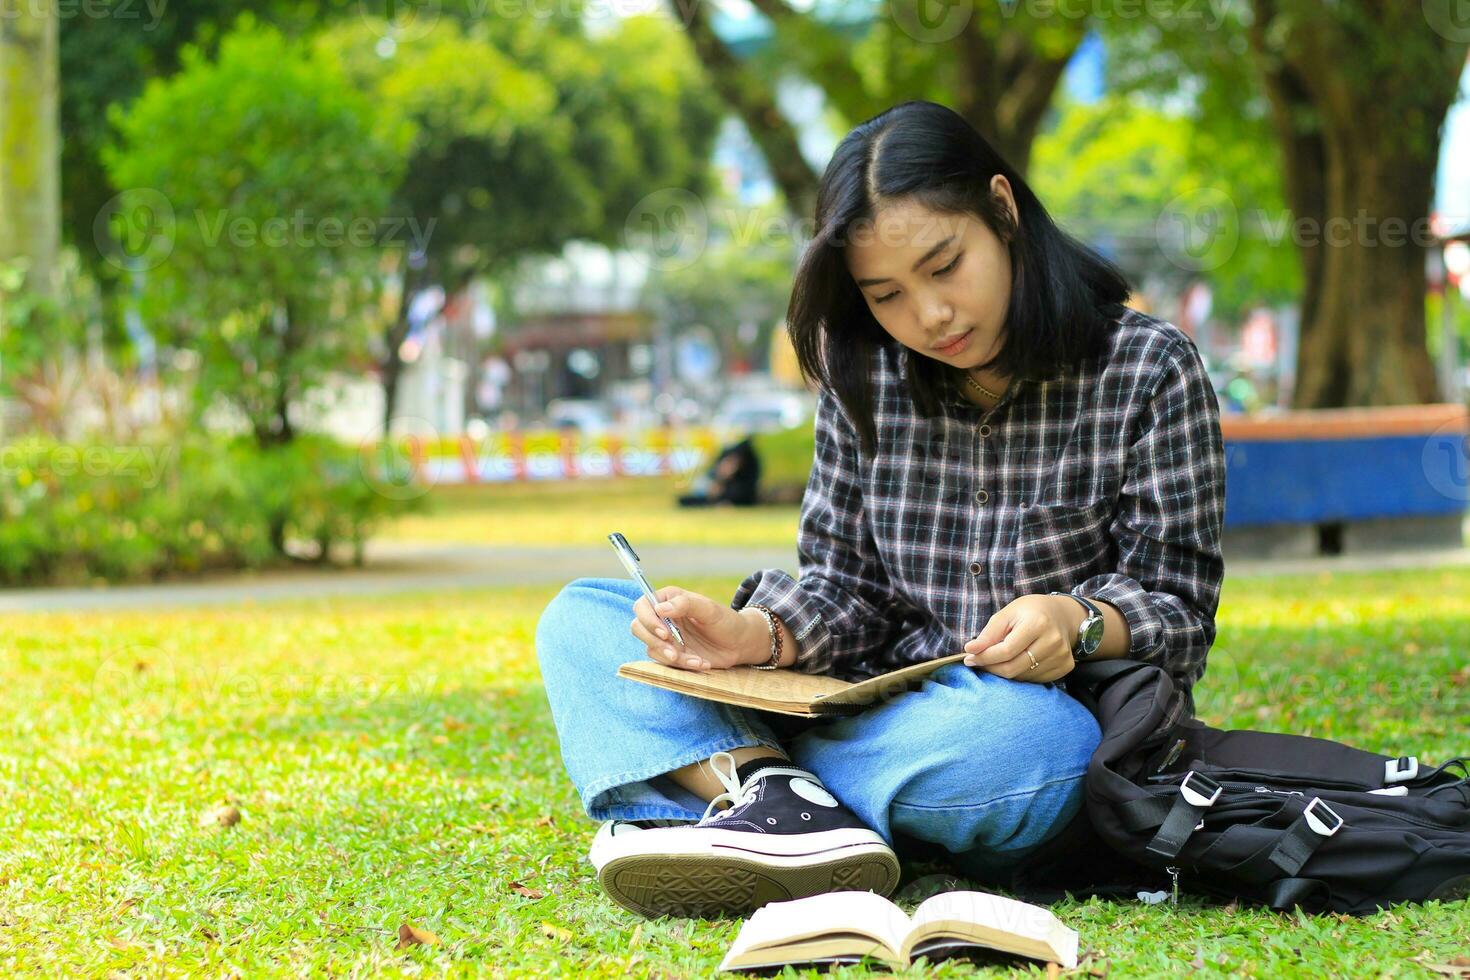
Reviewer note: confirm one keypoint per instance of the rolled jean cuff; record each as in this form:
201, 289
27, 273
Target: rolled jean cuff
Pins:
647, 793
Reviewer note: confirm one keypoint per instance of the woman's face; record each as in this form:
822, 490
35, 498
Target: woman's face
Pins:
939, 284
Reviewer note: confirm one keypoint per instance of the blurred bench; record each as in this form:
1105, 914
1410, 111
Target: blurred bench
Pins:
1338, 481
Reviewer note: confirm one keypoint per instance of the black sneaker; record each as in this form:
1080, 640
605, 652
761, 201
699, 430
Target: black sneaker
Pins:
783, 837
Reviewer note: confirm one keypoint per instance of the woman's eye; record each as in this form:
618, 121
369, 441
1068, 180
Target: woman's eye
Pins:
938, 272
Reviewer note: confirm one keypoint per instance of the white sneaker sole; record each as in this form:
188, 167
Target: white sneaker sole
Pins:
702, 873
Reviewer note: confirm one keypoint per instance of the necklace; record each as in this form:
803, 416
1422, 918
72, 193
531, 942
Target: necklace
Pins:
980, 387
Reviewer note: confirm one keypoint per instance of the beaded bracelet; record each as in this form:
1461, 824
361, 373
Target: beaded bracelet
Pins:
775, 660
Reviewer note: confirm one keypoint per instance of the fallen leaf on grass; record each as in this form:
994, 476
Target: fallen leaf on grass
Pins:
555, 932
546, 821
452, 724
1386, 920
480, 828
637, 936
1053, 971
221, 816
526, 891
1458, 967
411, 935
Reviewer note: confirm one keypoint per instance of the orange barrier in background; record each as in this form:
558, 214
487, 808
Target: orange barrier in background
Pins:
557, 455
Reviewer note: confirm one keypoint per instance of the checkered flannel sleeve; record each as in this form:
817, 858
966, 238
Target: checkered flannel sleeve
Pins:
1167, 584
842, 607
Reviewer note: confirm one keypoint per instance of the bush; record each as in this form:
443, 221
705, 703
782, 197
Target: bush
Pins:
75, 513
786, 462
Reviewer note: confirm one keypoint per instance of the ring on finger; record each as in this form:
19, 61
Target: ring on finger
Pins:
1034, 664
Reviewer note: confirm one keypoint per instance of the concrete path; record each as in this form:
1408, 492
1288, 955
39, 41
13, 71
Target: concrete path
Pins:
395, 567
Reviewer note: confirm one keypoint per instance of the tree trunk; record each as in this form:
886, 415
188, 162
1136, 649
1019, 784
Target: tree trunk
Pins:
391, 368
1365, 341
30, 141
1007, 84
1358, 100
755, 102
1304, 153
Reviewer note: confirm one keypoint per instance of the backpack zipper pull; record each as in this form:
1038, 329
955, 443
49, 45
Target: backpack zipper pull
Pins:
1174, 874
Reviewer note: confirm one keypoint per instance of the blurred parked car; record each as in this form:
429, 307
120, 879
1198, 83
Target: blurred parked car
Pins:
769, 411
583, 414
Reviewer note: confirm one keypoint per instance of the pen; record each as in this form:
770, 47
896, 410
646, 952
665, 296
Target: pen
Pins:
629, 558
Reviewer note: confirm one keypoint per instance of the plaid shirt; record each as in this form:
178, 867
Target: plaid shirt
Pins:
1108, 482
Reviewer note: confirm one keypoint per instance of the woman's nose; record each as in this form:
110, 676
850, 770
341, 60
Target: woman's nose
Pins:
936, 315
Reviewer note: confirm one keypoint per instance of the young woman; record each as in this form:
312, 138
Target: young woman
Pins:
1008, 461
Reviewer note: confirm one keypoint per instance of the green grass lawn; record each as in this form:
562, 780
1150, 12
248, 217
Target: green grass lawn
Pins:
393, 761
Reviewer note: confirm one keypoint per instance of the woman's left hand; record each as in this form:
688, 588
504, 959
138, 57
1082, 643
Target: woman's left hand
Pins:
1040, 624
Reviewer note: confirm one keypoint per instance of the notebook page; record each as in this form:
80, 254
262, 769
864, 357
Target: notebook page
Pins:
817, 915
744, 682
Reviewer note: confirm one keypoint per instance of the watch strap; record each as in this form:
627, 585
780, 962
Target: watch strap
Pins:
1092, 611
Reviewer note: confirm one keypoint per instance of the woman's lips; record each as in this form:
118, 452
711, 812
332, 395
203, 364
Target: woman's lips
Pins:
960, 344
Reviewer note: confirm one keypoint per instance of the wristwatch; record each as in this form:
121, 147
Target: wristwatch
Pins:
1090, 633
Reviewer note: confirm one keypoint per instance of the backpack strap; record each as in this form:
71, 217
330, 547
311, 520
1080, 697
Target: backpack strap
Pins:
1317, 822
1197, 793
1287, 893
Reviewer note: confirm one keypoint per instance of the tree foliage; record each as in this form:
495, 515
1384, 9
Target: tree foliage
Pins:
268, 182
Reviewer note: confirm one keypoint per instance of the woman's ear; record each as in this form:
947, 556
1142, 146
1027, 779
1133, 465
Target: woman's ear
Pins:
1000, 193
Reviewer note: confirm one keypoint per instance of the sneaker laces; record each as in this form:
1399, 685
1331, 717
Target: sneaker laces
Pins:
737, 795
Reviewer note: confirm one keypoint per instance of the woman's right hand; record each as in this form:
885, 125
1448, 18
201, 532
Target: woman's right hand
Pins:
716, 637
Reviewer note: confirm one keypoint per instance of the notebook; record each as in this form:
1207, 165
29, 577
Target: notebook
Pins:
847, 926
786, 692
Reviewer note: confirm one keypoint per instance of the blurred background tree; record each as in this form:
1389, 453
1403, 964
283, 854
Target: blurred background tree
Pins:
264, 263
999, 67
1354, 95
527, 139
29, 188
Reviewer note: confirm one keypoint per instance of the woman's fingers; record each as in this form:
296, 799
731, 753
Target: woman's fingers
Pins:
644, 613
1008, 657
667, 651
684, 606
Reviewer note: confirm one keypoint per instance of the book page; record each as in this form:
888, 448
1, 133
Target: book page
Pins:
846, 947
1036, 929
832, 913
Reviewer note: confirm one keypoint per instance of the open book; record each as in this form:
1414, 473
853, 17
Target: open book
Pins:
786, 692
844, 927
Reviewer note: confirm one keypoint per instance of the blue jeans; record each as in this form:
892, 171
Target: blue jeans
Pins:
987, 768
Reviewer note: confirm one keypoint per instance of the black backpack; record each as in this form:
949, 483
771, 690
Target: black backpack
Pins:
1276, 820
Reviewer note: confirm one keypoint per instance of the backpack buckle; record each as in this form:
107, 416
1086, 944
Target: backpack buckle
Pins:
1194, 796
1400, 770
1316, 822
1197, 793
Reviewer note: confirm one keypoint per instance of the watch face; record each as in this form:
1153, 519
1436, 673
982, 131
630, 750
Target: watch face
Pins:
1091, 636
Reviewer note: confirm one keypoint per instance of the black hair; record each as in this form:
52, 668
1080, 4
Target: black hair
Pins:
1064, 296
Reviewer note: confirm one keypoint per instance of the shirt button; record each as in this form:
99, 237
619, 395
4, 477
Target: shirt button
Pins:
984, 432
974, 568
981, 496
